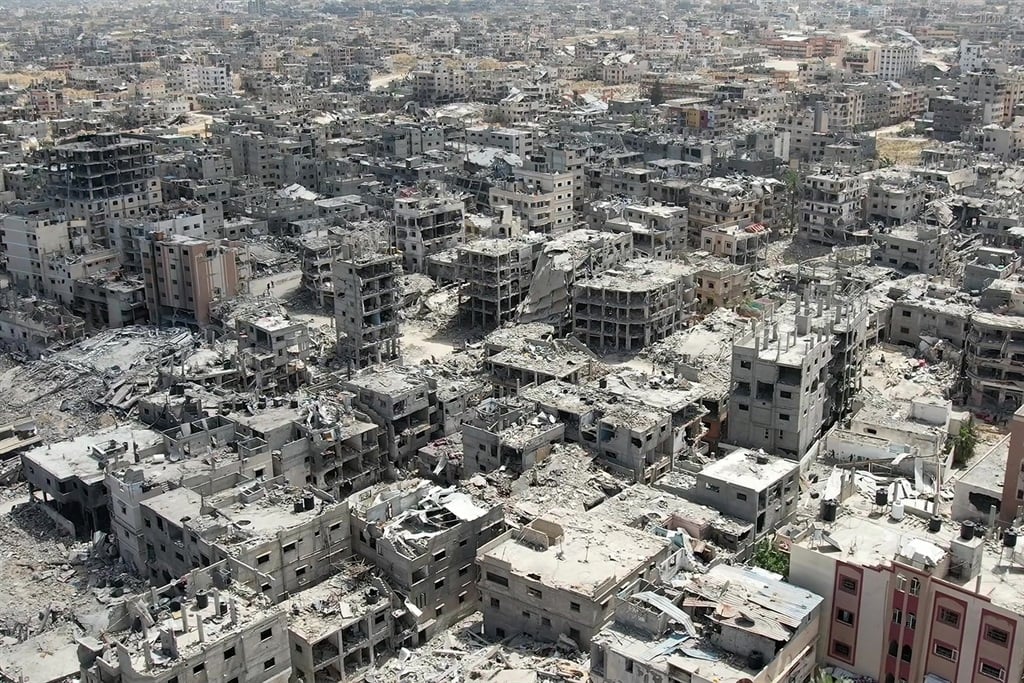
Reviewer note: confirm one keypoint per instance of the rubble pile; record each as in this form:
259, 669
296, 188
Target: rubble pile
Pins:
462, 654
50, 578
92, 383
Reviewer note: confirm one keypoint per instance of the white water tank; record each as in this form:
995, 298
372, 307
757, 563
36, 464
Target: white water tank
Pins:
896, 511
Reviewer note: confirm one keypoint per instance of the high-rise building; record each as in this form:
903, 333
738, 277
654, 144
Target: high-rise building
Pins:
104, 176
185, 275
366, 303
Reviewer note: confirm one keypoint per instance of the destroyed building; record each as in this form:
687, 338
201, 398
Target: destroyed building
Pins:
506, 434
346, 625
272, 354
733, 623
291, 535
497, 273
427, 221
211, 623
633, 305
424, 539
577, 253
366, 301
402, 403
558, 575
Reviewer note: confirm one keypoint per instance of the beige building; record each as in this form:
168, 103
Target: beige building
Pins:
184, 276
427, 223
542, 199
634, 304
559, 574
221, 629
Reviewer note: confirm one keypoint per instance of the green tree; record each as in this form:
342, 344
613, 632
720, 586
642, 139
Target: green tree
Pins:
657, 93
964, 443
767, 556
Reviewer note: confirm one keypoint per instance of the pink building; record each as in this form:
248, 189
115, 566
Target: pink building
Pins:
912, 598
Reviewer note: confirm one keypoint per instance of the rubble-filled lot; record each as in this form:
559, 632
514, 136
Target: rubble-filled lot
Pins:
50, 579
462, 654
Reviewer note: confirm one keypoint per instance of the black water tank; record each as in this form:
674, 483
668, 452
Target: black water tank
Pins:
881, 497
967, 530
828, 510
202, 600
1009, 538
755, 660
298, 506
934, 524
308, 501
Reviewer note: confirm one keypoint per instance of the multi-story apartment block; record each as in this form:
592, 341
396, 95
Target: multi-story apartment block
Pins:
440, 84
542, 199
272, 353
32, 235
424, 540
104, 176
894, 199
897, 58
634, 304
911, 598
222, 628
291, 536
913, 248
831, 209
517, 141
1000, 89
753, 486
497, 273
427, 223
184, 276
403, 403
558, 575
366, 303
780, 375
715, 201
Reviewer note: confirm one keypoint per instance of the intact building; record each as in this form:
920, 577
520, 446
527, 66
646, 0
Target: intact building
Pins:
184, 276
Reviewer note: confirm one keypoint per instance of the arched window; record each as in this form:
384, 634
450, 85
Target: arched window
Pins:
889, 678
894, 649
907, 653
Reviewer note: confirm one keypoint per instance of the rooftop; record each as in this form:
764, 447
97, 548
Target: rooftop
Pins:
255, 513
581, 554
863, 537
748, 469
344, 598
639, 275
81, 457
411, 512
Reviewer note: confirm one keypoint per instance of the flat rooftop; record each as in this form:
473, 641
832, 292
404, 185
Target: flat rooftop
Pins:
388, 381
750, 469
252, 514
344, 598
639, 275
411, 512
78, 458
588, 555
870, 540
250, 609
